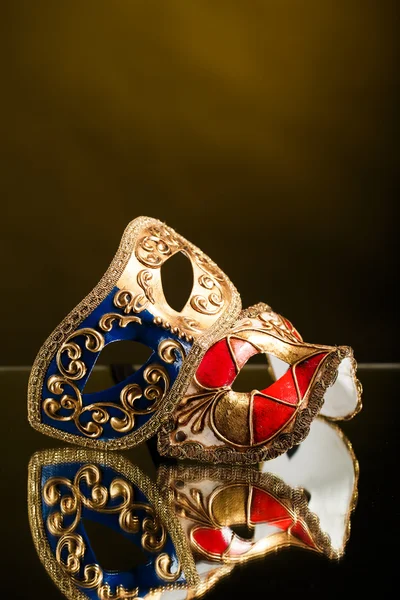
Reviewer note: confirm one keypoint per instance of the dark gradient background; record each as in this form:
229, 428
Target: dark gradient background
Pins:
263, 131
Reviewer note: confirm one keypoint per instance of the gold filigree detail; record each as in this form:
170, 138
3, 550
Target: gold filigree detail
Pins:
158, 245
192, 507
211, 304
191, 323
104, 593
141, 301
76, 369
74, 544
169, 351
125, 299
163, 566
206, 282
106, 322
206, 264
71, 548
51, 406
153, 535
197, 407
153, 375
143, 278
69, 505
277, 325
174, 329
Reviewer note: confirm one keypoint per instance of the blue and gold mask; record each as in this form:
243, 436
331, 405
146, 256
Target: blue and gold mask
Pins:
129, 304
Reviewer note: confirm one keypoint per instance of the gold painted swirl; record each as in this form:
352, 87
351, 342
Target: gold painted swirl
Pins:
144, 278
126, 300
163, 566
208, 266
154, 392
153, 249
117, 498
76, 368
169, 350
106, 322
278, 326
74, 544
191, 323
207, 306
211, 304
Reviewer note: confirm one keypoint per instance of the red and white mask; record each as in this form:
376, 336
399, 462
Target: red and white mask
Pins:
212, 422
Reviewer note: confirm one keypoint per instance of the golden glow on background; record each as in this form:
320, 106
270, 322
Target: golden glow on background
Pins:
261, 130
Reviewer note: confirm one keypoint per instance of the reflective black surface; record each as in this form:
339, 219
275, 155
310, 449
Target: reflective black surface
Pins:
368, 560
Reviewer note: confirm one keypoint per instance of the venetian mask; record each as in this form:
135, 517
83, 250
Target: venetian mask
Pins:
213, 422
129, 304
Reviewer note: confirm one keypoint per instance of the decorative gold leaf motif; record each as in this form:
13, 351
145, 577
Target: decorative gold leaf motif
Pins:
169, 350
74, 544
153, 249
106, 322
191, 324
277, 325
153, 375
71, 548
197, 407
211, 304
192, 507
51, 406
163, 566
144, 278
207, 265
126, 300
76, 369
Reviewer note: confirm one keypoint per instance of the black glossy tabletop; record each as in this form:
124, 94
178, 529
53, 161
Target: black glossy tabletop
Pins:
369, 561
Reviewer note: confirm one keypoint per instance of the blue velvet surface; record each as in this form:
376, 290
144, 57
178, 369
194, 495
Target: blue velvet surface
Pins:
143, 576
146, 333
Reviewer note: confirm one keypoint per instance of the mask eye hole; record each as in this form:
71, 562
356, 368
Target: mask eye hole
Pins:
244, 531
278, 367
177, 280
255, 375
113, 551
127, 353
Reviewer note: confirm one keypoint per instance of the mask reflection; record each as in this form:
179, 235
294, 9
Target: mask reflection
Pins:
191, 527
